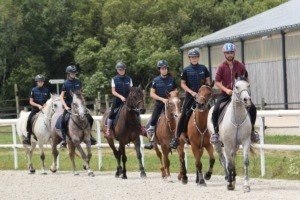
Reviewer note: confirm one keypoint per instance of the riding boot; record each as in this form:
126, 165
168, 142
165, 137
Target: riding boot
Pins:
214, 138
63, 143
93, 140
108, 128
254, 136
27, 139
150, 133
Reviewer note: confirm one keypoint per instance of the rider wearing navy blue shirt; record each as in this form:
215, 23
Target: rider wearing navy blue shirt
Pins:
38, 97
160, 86
191, 79
120, 85
72, 83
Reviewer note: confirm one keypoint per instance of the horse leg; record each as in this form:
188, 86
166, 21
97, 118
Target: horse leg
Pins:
222, 158
72, 147
246, 186
124, 159
117, 156
159, 155
182, 174
88, 158
166, 151
42, 156
137, 146
210, 151
230, 164
197, 155
55, 153
29, 154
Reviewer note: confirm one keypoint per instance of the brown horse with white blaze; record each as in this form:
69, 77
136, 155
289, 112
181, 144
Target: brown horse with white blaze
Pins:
127, 129
166, 127
198, 137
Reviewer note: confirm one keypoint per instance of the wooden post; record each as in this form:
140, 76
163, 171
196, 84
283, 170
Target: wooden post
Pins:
99, 103
106, 101
17, 99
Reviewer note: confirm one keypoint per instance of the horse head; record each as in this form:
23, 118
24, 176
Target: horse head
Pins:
173, 107
78, 104
203, 96
241, 90
135, 100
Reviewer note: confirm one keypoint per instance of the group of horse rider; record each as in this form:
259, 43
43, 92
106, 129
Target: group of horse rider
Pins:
191, 80
39, 95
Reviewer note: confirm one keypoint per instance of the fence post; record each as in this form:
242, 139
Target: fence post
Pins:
99, 103
17, 99
106, 101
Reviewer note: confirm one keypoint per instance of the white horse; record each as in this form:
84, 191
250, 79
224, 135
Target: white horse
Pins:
235, 130
40, 128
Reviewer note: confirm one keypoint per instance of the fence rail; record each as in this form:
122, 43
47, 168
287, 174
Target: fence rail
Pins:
260, 117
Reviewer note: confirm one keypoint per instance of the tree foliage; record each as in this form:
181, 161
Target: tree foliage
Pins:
44, 36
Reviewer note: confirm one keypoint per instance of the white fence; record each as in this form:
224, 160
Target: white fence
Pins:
260, 116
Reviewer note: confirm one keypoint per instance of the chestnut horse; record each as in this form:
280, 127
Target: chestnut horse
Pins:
127, 129
198, 137
166, 127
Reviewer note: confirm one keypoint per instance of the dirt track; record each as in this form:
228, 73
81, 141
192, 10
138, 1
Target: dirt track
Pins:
65, 186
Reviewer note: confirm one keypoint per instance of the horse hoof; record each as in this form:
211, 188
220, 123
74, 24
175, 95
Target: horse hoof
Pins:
143, 175
76, 174
91, 174
32, 171
124, 177
53, 171
44, 173
246, 188
207, 175
230, 187
184, 181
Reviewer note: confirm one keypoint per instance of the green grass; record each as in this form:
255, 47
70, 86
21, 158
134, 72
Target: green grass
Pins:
279, 164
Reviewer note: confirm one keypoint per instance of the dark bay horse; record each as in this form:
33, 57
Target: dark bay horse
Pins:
235, 130
79, 130
198, 137
127, 129
165, 130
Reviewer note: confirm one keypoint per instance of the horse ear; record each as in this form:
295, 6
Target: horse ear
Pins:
246, 74
168, 93
71, 93
140, 87
203, 81
236, 75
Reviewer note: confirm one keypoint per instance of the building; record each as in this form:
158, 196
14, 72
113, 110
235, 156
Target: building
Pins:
269, 45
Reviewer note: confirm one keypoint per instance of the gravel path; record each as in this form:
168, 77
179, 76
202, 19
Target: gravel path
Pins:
63, 185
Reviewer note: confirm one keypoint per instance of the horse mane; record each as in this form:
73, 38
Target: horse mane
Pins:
79, 95
133, 95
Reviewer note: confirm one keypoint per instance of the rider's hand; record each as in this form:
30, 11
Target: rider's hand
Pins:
67, 108
194, 94
123, 99
40, 107
165, 101
229, 92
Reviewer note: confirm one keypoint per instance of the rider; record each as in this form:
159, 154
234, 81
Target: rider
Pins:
160, 85
191, 78
120, 85
72, 83
38, 98
224, 80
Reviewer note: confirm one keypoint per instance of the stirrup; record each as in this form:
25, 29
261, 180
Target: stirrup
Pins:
26, 140
149, 145
63, 144
214, 138
93, 141
174, 143
254, 137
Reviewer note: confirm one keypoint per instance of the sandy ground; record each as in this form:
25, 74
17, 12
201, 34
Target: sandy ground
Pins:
63, 185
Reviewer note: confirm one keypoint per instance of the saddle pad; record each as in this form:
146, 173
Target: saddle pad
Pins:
58, 122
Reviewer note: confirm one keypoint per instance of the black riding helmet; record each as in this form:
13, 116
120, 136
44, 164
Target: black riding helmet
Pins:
120, 65
39, 78
71, 69
162, 63
194, 52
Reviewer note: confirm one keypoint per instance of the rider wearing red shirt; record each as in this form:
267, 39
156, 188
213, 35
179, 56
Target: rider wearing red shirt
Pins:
224, 80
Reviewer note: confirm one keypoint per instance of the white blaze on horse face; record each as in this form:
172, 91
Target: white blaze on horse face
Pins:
80, 106
177, 107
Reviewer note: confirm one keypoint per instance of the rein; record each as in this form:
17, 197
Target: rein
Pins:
169, 119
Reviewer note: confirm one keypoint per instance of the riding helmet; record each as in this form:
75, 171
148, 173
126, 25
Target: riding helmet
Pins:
194, 52
120, 65
71, 69
228, 47
162, 63
39, 78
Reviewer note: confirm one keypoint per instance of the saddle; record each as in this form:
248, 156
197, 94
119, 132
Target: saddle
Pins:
222, 109
59, 120
117, 115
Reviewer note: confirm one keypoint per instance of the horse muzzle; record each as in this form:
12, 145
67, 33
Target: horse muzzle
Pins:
142, 110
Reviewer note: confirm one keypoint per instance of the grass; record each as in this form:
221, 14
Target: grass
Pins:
279, 164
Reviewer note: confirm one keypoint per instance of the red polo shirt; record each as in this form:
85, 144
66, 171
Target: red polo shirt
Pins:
226, 76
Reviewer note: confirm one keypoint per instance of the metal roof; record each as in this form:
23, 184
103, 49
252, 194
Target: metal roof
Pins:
283, 17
